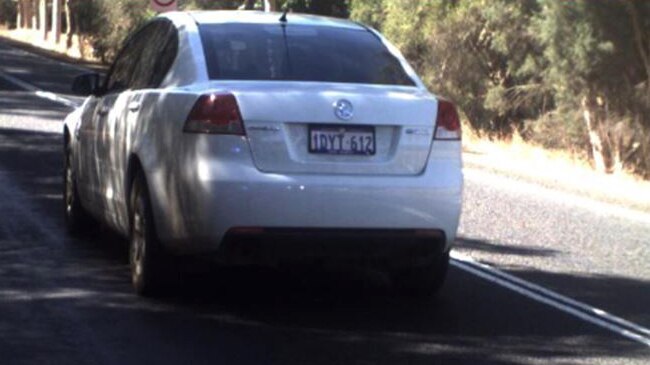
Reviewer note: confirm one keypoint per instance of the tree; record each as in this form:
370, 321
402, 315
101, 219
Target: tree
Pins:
23, 10
336, 8
369, 12
8, 12
596, 64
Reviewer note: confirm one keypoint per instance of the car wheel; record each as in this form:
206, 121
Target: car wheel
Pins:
144, 249
77, 219
422, 281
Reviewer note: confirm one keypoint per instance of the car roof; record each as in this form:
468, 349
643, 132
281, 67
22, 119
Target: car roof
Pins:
260, 17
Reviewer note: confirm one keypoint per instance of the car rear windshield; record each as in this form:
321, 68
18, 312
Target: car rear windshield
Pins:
299, 53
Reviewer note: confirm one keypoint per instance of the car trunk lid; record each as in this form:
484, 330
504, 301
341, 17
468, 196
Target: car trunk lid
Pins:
282, 118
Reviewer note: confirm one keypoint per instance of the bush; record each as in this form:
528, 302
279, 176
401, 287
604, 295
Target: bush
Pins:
8, 13
558, 130
114, 20
211, 4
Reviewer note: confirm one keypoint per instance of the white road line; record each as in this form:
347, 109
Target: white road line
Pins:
37, 91
56, 98
552, 294
570, 306
18, 82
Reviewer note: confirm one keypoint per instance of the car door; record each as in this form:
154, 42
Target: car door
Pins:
98, 134
85, 136
157, 44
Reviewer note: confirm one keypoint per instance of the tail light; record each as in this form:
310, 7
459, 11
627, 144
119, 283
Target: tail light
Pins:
215, 114
447, 122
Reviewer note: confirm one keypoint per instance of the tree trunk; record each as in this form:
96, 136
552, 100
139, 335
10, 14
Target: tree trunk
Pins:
71, 26
605, 138
68, 17
25, 13
249, 4
270, 5
34, 11
642, 43
592, 118
19, 18
616, 140
56, 21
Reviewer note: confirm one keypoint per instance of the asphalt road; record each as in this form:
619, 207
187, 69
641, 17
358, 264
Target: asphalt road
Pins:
70, 301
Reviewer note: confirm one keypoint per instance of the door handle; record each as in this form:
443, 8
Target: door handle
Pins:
134, 106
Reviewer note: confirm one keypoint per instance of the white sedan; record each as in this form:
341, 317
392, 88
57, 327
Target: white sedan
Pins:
258, 138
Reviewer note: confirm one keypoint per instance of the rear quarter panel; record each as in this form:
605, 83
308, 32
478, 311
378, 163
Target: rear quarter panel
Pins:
156, 140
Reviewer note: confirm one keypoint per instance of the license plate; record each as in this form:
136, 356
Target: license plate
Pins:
342, 140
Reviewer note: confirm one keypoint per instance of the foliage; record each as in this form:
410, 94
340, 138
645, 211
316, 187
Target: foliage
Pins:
594, 50
108, 22
210, 4
370, 12
8, 13
336, 8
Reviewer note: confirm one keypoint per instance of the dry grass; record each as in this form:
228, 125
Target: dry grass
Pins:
76, 46
558, 169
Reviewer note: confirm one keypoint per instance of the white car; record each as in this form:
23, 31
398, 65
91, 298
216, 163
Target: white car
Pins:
262, 138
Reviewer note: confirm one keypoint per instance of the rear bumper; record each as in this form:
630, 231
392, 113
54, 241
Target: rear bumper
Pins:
216, 195
385, 248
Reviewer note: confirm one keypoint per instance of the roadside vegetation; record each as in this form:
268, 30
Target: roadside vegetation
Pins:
566, 75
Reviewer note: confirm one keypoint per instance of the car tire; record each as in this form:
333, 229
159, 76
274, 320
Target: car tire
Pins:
422, 281
77, 219
145, 255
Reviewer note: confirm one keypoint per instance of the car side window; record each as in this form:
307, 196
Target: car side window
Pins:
157, 55
167, 55
118, 79
123, 72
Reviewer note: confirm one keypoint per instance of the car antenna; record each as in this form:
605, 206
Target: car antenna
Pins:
283, 18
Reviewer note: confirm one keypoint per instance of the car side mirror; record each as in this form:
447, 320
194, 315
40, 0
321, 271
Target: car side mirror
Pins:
86, 84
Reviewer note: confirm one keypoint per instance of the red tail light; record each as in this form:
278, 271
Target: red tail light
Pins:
215, 114
447, 122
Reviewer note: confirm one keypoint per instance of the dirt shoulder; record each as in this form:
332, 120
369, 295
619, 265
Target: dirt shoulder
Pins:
557, 170
17, 40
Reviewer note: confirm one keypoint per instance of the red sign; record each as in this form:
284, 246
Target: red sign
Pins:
164, 5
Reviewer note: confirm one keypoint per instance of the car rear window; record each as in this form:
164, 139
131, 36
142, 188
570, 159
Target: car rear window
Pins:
298, 53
